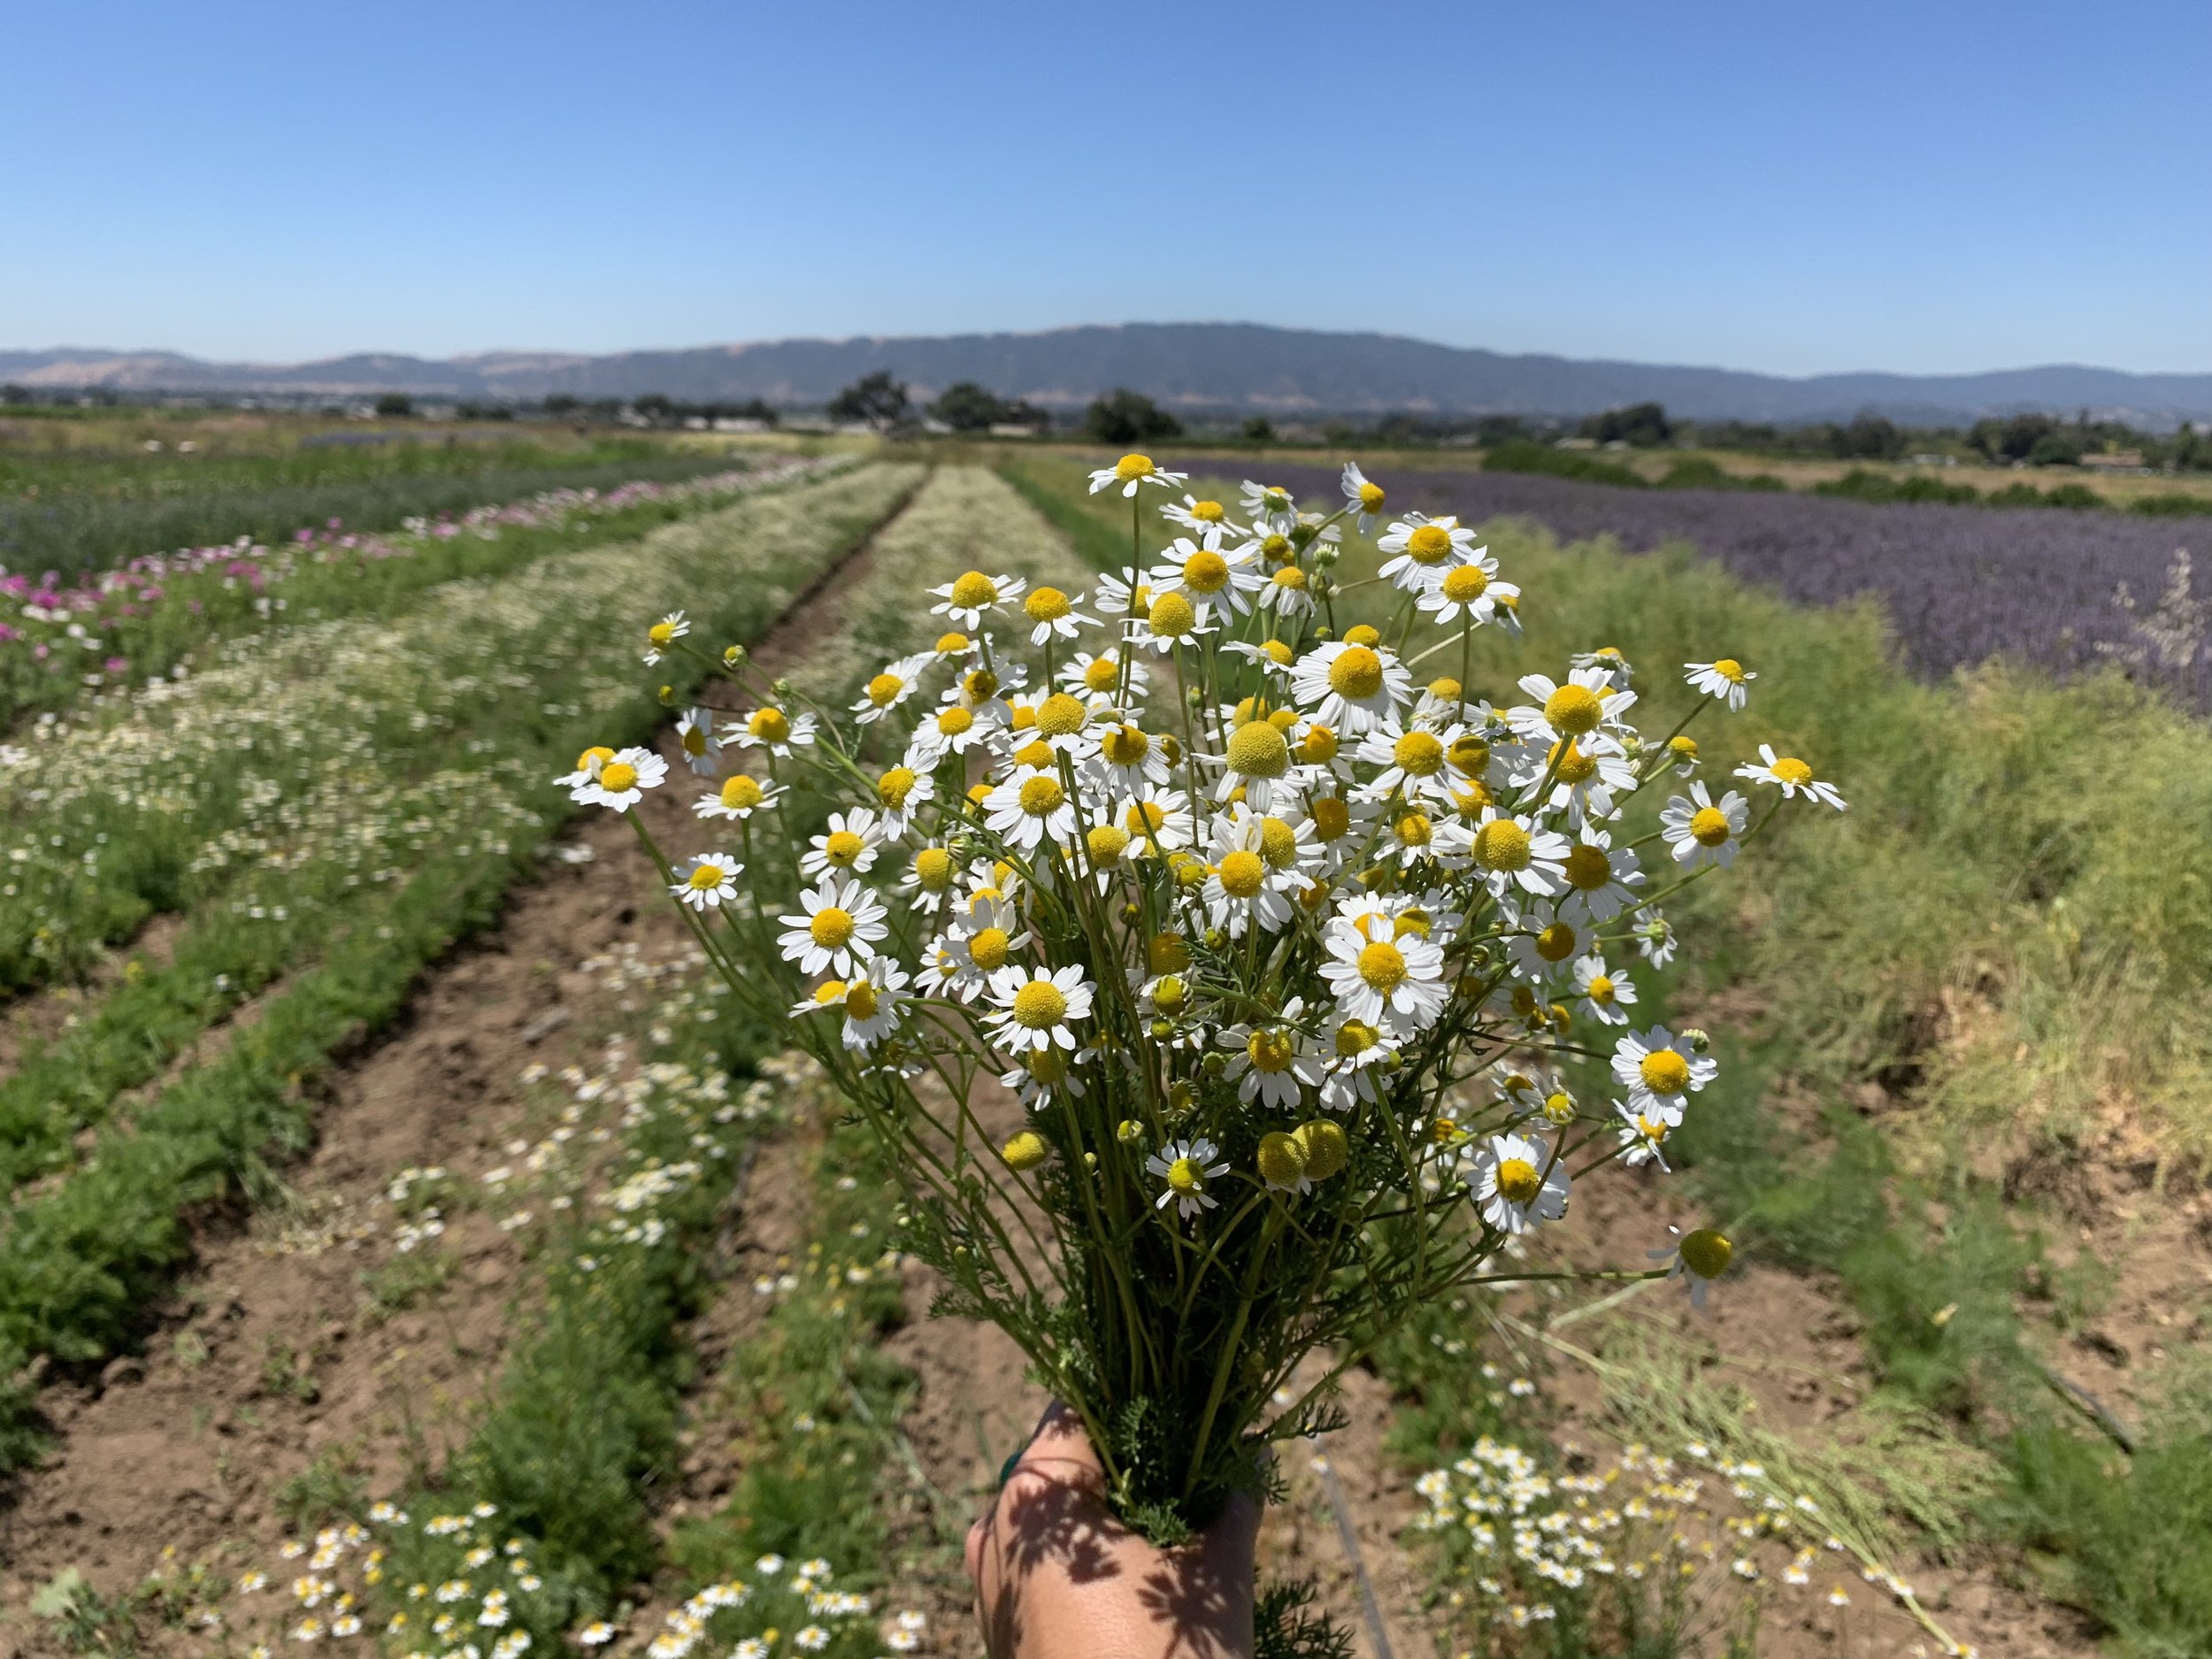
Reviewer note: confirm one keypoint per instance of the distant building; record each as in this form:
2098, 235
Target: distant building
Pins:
739, 423
1013, 429
2116, 461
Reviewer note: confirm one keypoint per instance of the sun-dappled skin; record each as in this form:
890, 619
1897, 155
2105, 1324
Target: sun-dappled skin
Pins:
1058, 1576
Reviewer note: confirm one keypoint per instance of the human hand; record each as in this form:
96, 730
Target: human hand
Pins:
1058, 1576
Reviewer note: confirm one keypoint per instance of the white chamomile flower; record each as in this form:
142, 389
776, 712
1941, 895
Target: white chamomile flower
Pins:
1517, 1183
1384, 978
1054, 615
1414, 763
1350, 686
1270, 506
1030, 807
843, 924
1586, 702
663, 634
1790, 775
848, 843
1128, 760
1168, 621
1724, 678
1584, 772
1043, 1074
1608, 658
1183, 1168
1220, 585
1423, 549
769, 727
1273, 1064
741, 795
970, 596
891, 687
1599, 876
951, 730
1131, 470
1642, 1135
1364, 497
1159, 821
1606, 996
902, 792
1660, 1071
1354, 1053
1468, 594
1037, 1008
1549, 941
1200, 517
1700, 831
1100, 677
874, 1003
588, 764
1287, 592
927, 883
1517, 853
695, 735
1241, 887
621, 781
708, 882
1701, 1257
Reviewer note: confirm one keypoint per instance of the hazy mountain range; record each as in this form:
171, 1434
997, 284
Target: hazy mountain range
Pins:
1221, 367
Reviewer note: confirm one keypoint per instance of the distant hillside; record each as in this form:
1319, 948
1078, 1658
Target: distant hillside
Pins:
1214, 367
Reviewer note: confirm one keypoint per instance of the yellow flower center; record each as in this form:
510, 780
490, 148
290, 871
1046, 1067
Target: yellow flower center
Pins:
661, 633
1145, 818
1471, 754
1370, 497
978, 793
1519, 1181
1242, 873
980, 684
1556, 942
771, 725
1729, 669
1416, 921
1362, 634
1185, 1176
1290, 577
884, 689
831, 927
1429, 543
1258, 749
951, 644
1035, 756
1570, 764
1275, 547
1166, 953
1124, 745
1419, 753
1168, 993
597, 754
1664, 1072
1047, 605
1101, 673
1025, 1151
843, 848
1357, 673
1444, 688
987, 947
617, 775
1415, 830
1042, 796
1318, 746
1279, 843
1271, 1050
1559, 1108
1682, 748
974, 590
741, 793
1172, 616
1040, 1004
1132, 467
1573, 710
705, 878
1206, 572
695, 738
1059, 715
1355, 1038
1207, 511
1282, 1161
1107, 844
1502, 844
1464, 583
1048, 1067
933, 868
1790, 769
1327, 1149
1710, 826
1382, 965
1588, 868
1600, 991
829, 991
954, 721
1706, 1253
1278, 652
894, 786
860, 1000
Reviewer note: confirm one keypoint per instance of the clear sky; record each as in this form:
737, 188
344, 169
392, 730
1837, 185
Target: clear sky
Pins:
1777, 186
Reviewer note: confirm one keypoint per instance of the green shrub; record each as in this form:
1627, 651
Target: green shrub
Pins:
2172, 504
1524, 455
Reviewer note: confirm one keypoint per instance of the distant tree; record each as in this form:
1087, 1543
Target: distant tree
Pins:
394, 406
654, 406
562, 403
966, 407
1126, 416
2055, 448
875, 398
2012, 439
1868, 437
14, 394
1492, 430
485, 412
1259, 429
1644, 425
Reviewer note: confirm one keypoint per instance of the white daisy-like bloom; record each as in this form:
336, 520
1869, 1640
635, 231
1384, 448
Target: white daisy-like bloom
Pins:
1183, 1168
1219, 584
1587, 773
1053, 614
1036, 1008
1170, 620
1030, 807
1132, 470
1517, 1183
1789, 774
1660, 1071
598, 1633
1256, 760
1413, 761
707, 882
1272, 658
1340, 827
1352, 1053
1655, 939
894, 685
971, 596
1104, 846
1350, 688
1159, 821
1599, 876
948, 972
1274, 1063
663, 634
741, 795
1606, 996
927, 883
1200, 517
873, 1003
985, 934
1239, 887
986, 690
621, 781
1587, 700
588, 764
812, 1639
1061, 723
1126, 761
848, 843
1699, 831
1098, 677
1469, 591
694, 734
1126, 593
1518, 853
903, 792
1044, 1074
1642, 1138
843, 924
769, 727
951, 730
1362, 495
1608, 658
1270, 506
1723, 678
1423, 549
1383, 978
1701, 1257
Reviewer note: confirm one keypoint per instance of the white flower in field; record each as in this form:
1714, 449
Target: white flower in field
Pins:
1274, 1065
1608, 658
1239, 887
1586, 702
1656, 941
1159, 821
891, 687
1287, 591
1724, 678
1381, 977
1256, 760
1416, 834
1185, 1167
1599, 876
1340, 828
1126, 594
1641, 1137
983, 691
1517, 1183
1061, 723
1544, 949
1700, 833
849, 844
1054, 615
927, 883
741, 795
1042, 1072
1270, 506
843, 924
708, 881
873, 1003
1423, 549
694, 734
248, 1582
1200, 517
1127, 762
663, 634
1469, 590
1219, 585
1585, 772
1352, 1052
588, 764
1413, 761
1605, 996
769, 1566
1030, 807
1350, 686
621, 782
1660, 1071
1361, 496
1789, 774
1170, 620
983, 937
1701, 1256
904, 793
1098, 677
1037, 1008
813, 1639
967, 597
769, 727
952, 730
946, 971
1131, 470
1517, 853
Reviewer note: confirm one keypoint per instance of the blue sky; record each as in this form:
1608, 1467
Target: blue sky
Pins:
1781, 186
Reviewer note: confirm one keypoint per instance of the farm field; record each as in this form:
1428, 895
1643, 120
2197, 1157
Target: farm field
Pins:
387, 1184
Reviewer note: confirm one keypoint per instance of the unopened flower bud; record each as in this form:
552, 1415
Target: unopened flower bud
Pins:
1706, 1253
782, 687
1699, 1039
1214, 1064
1162, 1030
1129, 1132
1025, 1151
732, 654
1327, 1149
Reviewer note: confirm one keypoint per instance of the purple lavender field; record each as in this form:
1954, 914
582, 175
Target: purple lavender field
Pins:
1961, 584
